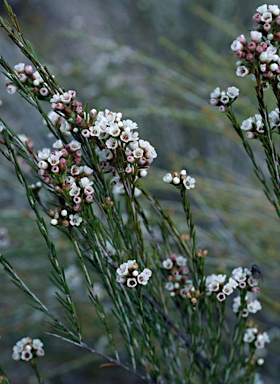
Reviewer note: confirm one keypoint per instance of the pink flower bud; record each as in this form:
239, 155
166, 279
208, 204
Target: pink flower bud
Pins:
78, 153
47, 179
184, 278
79, 120
277, 20
251, 46
241, 39
22, 77
64, 152
175, 273
130, 159
77, 208
250, 56
28, 69
185, 270
173, 256
62, 161
89, 199
169, 278
79, 110
55, 169
240, 54
257, 17
259, 49
77, 160
128, 169
42, 172
267, 27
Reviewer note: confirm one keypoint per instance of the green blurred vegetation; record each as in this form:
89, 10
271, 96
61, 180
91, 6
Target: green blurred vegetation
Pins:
157, 64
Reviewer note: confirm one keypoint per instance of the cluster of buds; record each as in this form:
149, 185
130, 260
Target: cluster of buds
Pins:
181, 180
27, 349
61, 169
128, 274
241, 278
223, 99
30, 78
256, 338
261, 50
178, 281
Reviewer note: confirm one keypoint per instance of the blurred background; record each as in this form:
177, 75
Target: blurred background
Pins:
157, 62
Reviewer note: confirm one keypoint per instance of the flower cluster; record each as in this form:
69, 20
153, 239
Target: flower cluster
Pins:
27, 349
223, 99
128, 274
260, 53
252, 305
181, 180
114, 139
178, 281
255, 125
62, 170
241, 278
252, 335
32, 79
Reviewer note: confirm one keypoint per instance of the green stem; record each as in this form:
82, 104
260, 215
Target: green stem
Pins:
36, 369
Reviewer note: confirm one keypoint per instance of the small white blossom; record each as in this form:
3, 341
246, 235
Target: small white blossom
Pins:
168, 178
75, 220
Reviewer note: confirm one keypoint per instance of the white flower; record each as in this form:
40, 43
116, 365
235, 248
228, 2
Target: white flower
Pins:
216, 93
169, 286
114, 130
75, 190
189, 182
66, 97
131, 282
85, 182
53, 159
55, 98
38, 79
242, 71
274, 9
147, 272
74, 145
65, 127
236, 46
37, 343
254, 306
123, 270
142, 278
256, 36
58, 144
95, 131
130, 124
11, 89
167, 178
181, 261
232, 92
75, 220
167, 264
26, 355
247, 124
221, 296
227, 289
266, 17
43, 164
262, 9
19, 67
112, 143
